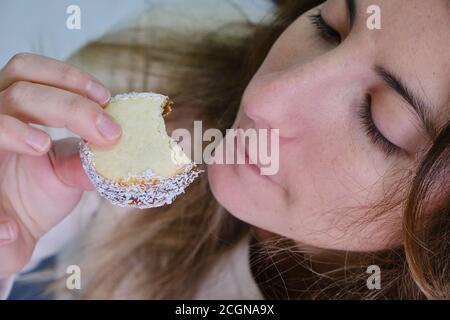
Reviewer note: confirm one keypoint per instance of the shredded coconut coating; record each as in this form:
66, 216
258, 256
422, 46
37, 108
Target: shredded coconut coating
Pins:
143, 191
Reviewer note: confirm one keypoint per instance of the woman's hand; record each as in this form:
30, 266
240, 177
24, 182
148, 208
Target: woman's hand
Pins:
41, 182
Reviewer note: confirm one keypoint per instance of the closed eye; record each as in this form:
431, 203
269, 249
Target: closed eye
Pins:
377, 138
324, 29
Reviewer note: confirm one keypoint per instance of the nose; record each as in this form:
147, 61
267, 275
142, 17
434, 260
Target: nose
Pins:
294, 97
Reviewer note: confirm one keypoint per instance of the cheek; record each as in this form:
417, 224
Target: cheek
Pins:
317, 172
332, 186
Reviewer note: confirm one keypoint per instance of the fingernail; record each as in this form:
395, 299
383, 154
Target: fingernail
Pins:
97, 92
6, 232
108, 127
39, 141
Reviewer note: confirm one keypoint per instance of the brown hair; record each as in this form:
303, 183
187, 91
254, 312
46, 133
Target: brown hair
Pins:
166, 252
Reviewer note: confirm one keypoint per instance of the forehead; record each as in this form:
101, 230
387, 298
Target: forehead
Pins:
414, 42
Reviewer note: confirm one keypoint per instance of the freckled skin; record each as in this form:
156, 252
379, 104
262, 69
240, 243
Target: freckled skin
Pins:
331, 173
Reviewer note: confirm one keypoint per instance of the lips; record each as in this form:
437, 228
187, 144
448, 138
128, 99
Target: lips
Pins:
255, 165
245, 146
252, 164
255, 162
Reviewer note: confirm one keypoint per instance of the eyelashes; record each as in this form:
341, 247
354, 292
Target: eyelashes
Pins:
324, 29
377, 138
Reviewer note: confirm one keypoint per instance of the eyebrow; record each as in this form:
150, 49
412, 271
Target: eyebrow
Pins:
351, 5
421, 109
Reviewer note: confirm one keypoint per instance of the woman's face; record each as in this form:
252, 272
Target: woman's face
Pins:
350, 104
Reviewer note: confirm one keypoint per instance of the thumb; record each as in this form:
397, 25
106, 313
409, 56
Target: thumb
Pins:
65, 158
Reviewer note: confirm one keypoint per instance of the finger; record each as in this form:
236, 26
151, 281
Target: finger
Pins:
39, 69
53, 107
18, 137
8, 231
66, 162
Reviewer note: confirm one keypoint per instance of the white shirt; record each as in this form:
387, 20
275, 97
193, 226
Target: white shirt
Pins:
39, 27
